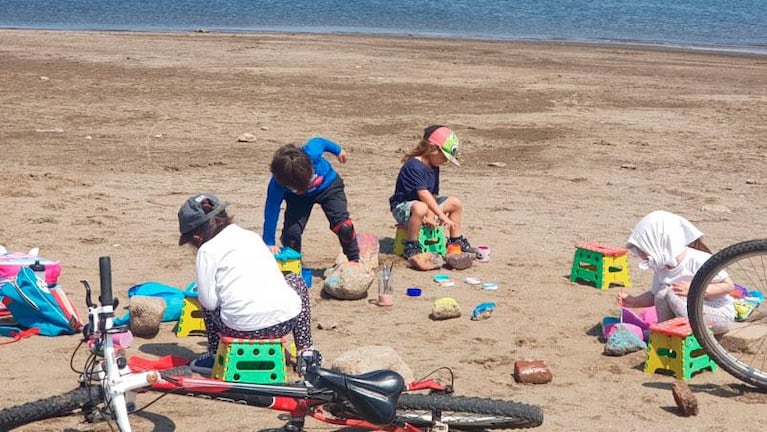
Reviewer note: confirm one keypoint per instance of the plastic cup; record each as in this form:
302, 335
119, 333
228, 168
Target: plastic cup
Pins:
385, 289
483, 253
307, 275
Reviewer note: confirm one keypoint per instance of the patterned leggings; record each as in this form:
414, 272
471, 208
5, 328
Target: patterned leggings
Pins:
670, 305
300, 325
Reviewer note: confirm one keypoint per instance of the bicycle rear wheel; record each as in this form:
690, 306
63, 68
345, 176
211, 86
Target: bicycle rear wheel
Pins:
54, 406
743, 350
467, 413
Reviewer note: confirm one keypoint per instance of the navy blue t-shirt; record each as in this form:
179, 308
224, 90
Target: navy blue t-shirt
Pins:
414, 176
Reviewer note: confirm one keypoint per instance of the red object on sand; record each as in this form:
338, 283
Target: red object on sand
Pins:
604, 249
138, 364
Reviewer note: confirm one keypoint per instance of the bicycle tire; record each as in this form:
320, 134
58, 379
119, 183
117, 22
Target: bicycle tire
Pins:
467, 413
54, 406
746, 264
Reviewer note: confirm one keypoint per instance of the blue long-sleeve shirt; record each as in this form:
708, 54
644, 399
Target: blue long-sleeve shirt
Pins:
324, 175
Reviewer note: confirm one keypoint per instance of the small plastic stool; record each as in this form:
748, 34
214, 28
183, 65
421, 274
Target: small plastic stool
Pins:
255, 361
431, 240
601, 264
289, 260
673, 347
191, 320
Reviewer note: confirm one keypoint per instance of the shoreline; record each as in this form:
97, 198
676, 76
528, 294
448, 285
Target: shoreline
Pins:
745, 50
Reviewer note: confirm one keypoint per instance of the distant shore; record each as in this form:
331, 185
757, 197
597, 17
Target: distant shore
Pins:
748, 50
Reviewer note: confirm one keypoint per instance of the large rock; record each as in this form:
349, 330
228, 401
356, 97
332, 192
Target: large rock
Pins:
146, 315
370, 358
460, 261
426, 261
745, 338
348, 281
369, 248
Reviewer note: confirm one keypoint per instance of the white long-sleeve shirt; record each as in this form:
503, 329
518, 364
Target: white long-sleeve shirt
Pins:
237, 272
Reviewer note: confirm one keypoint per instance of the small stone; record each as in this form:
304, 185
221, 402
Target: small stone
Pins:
445, 308
326, 326
44, 78
685, 400
751, 182
497, 164
532, 372
246, 137
264, 128
629, 166
715, 208
88, 137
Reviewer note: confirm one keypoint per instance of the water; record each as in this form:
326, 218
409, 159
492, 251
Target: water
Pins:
732, 25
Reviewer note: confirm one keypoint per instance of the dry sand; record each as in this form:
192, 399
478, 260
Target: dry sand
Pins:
104, 135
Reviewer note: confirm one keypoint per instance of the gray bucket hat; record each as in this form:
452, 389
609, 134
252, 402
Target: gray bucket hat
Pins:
192, 216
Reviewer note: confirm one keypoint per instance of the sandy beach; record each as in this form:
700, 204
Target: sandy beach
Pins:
105, 134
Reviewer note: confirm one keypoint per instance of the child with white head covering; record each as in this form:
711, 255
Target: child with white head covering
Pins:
671, 247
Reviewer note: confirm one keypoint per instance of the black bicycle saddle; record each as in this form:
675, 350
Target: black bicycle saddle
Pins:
374, 394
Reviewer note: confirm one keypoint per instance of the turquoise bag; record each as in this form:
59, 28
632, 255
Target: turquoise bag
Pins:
33, 304
174, 299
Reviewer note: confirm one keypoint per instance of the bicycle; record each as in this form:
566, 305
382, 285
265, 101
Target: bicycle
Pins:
746, 264
377, 400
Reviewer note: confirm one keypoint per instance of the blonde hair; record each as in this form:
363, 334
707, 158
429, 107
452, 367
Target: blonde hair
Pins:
424, 147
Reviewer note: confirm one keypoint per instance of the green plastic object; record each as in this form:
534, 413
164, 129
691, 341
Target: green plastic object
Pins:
251, 361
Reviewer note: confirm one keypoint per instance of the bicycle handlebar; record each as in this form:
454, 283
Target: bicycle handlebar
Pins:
105, 274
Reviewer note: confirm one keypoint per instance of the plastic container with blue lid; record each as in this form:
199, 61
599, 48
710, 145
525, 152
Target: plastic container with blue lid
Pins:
413, 292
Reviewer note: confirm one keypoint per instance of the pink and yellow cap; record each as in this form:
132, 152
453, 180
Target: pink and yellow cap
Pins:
445, 139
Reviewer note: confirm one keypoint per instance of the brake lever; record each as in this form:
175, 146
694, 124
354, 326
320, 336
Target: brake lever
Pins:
88, 301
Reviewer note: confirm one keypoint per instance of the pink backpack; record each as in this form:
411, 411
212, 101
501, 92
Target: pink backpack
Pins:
11, 263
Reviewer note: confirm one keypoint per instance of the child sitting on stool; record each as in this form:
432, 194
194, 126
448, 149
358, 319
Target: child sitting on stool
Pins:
673, 249
240, 287
416, 200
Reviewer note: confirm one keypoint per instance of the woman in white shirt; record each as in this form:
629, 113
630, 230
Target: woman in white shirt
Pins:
240, 287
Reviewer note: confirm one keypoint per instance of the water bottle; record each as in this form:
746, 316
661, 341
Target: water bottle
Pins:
39, 270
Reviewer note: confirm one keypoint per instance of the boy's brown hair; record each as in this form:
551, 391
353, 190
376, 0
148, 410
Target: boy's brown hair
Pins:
292, 168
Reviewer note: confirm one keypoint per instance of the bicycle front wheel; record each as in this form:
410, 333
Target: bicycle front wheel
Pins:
467, 413
54, 406
742, 351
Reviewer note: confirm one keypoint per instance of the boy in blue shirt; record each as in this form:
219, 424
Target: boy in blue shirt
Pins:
303, 177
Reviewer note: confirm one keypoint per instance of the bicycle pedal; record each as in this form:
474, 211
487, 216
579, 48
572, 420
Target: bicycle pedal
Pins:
97, 416
294, 424
439, 426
